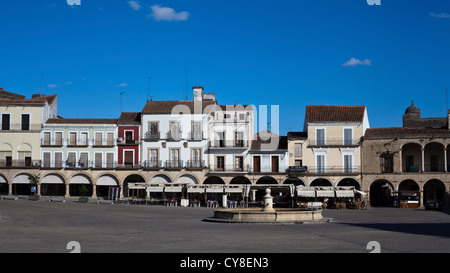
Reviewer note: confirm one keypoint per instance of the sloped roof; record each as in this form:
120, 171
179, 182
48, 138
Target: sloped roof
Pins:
400, 132
8, 98
129, 118
81, 121
334, 113
267, 137
166, 107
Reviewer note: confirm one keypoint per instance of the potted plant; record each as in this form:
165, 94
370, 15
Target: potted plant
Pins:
34, 182
83, 191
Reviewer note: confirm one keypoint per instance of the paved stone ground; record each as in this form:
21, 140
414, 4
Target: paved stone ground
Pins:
42, 226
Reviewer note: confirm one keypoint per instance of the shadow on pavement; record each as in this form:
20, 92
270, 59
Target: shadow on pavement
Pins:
432, 229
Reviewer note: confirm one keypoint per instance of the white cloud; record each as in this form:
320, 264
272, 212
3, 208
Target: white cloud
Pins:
440, 15
52, 86
167, 14
355, 62
134, 5
68, 83
122, 85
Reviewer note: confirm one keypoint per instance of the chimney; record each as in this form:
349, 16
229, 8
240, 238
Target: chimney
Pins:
198, 93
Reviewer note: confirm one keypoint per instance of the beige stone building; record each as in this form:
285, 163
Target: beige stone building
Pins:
327, 153
406, 166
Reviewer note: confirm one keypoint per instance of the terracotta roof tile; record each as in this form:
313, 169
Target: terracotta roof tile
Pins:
166, 107
129, 118
334, 113
81, 121
400, 132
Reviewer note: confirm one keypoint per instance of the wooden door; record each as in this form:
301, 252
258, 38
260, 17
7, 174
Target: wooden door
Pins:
257, 164
129, 158
275, 166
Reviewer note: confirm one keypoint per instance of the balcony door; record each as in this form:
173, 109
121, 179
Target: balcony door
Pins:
257, 164
129, 158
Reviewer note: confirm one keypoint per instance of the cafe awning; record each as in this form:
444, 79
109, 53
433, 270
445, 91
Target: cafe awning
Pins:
324, 192
345, 193
215, 189
172, 189
306, 192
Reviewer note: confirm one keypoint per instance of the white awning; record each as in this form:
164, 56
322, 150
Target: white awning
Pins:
195, 190
214, 190
136, 186
107, 180
52, 179
155, 189
325, 193
361, 192
233, 190
345, 193
79, 179
172, 189
302, 192
21, 179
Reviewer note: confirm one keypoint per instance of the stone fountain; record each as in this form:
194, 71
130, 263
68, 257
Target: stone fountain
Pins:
268, 214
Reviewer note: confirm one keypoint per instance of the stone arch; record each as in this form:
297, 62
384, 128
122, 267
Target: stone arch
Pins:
187, 179
434, 189
381, 193
240, 180
294, 180
348, 181
267, 180
213, 180
160, 179
79, 181
53, 184
324, 182
434, 157
21, 184
4, 188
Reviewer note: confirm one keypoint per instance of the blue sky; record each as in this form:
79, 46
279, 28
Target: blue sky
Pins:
286, 53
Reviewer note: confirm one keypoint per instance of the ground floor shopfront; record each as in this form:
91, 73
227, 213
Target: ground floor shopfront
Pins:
162, 186
406, 190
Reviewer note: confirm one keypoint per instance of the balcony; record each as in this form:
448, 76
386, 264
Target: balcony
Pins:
195, 164
103, 142
125, 142
229, 169
152, 136
173, 164
51, 142
325, 170
334, 142
195, 136
152, 164
173, 136
228, 144
77, 142
23, 164
16, 127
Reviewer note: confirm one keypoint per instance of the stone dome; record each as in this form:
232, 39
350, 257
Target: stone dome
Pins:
412, 109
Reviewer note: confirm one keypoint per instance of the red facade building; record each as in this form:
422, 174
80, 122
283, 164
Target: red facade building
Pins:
128, 127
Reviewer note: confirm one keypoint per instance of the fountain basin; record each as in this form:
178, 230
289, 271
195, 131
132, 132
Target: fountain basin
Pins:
276, 216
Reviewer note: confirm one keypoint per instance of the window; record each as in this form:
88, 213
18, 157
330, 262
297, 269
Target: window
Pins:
196, 131
84, 139
239, 139
25, 122
241, 116
320, 163
98, 139
220, 163
58, 138
6, 122
387, 163
175, 130
153, 158
71, 156
410, 163
98, 160
46, 161
128, 137
153, 130
275, 164
238, 163
174, 158
227, 116
110, 139
320, 136
83, 160
58, 160
348, 163
298, 150
298, 163
220, 139
46, 141
348, 136
109, 160
434, 163
257, 164
196, 158
73, 139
